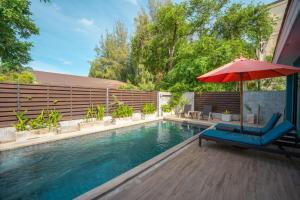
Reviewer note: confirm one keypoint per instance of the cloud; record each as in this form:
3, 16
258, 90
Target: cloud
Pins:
64, 61
86, 22
42, 66
56, 7
87, 26
134, 2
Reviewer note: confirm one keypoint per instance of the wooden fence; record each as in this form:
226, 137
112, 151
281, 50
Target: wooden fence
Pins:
220, 101
71, 102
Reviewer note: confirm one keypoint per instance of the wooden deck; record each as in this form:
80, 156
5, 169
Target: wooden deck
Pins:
218, 172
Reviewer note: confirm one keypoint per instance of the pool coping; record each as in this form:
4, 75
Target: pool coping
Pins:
63, 136
116, 184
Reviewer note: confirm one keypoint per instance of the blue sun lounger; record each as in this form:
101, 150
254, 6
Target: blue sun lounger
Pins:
250, 130
251, 141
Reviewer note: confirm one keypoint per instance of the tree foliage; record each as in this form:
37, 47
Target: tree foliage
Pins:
174, 43
16, 26
112, 55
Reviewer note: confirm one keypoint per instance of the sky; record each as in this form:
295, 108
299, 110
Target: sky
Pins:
71, 29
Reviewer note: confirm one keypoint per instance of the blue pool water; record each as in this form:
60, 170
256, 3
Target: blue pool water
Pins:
69, 168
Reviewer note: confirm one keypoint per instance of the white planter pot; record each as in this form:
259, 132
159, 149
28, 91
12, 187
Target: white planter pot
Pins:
122, 121
90, 124
226, 117
149, 117
40, 131
24, 135
7, 137
166, 114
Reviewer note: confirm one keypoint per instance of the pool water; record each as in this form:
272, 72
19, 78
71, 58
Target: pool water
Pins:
68, 168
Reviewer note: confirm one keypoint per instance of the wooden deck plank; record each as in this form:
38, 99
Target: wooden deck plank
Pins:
218, 172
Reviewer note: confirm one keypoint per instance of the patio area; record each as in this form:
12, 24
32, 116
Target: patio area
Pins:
218, 172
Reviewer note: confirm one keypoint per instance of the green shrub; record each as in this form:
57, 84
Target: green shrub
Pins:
22, 120
166, 108
25, 77
38, 122
53, 118
122, 110
148, 108
128, 86
100, 112
178, 100
90, 113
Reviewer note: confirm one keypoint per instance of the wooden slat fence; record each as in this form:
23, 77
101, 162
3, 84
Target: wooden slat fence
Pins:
219, 100
71, 102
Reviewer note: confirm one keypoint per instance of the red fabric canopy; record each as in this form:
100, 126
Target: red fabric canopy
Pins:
243, 69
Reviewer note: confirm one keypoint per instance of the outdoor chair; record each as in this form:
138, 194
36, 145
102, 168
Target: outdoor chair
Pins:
250, 130
261, 143
207, 111
186, 110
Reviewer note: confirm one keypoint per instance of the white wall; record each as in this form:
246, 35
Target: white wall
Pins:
164, 98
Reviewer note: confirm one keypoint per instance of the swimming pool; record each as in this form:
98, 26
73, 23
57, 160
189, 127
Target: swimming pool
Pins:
68, 168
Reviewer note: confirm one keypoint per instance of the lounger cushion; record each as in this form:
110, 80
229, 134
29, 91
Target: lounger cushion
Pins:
271, 123
277, 132
237, 128
251, 130
233, 137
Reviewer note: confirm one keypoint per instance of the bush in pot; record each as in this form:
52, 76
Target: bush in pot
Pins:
21, 126
122, 114
148, 111
166, 108
39, 123
93, 117
53, 119
226, 116
100, 110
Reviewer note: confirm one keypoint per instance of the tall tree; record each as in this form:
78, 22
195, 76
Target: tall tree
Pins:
112, 55
16, 25
168, 29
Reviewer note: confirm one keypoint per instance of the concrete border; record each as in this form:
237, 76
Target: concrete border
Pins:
120, 182
52, 138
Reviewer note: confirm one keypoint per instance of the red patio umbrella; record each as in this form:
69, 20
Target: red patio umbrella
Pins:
243, 69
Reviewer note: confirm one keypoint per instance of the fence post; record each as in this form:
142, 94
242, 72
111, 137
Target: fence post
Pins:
107, 101
18, 97
47, 96
71, 101
90, 96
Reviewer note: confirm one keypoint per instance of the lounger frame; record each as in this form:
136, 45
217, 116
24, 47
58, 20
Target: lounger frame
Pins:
280, 149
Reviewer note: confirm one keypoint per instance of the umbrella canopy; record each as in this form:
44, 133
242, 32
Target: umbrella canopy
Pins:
243, 69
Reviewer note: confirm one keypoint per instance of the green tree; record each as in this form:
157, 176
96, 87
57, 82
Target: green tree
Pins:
16, 26
112, 55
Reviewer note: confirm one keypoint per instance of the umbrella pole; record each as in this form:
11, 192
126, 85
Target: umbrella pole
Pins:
241, 104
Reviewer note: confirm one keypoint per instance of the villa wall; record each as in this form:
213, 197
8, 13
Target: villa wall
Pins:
264, 104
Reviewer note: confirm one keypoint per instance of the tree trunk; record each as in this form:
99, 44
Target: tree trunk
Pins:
172, 49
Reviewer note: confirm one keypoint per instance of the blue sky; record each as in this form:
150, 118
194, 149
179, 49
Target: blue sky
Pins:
70, 30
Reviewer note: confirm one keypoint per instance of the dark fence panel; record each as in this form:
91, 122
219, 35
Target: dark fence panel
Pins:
71, 102
219, 100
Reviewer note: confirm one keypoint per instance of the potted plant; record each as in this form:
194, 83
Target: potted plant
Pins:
226, 116
166, 109
250, 114
22, 129
38, 125
122, 114
53, 118
93, 117
149, 111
